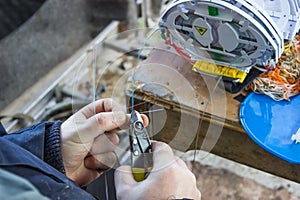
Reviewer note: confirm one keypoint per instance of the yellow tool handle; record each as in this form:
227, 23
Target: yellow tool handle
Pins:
139, 174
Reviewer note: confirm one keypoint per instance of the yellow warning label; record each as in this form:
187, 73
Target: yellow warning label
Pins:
201, 30
219, 70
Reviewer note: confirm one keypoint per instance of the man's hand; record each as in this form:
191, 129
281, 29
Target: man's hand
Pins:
170, 179
88, 140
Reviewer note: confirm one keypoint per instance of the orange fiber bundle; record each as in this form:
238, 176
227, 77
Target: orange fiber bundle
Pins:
283, 82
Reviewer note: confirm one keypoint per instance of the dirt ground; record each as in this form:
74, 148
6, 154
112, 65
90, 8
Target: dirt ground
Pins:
220, 184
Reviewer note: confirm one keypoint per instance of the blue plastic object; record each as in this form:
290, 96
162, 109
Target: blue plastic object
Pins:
271, 124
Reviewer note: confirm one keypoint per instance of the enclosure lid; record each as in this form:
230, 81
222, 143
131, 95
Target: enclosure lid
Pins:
271, 124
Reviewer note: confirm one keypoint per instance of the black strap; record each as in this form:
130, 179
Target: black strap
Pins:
2, 130
240, 98
234, 87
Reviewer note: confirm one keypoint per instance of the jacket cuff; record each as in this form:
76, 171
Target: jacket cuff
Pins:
52, 147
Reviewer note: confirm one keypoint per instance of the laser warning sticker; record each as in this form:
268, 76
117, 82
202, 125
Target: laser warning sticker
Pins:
201, 30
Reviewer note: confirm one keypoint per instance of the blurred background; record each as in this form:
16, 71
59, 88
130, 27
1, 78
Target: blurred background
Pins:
38, 35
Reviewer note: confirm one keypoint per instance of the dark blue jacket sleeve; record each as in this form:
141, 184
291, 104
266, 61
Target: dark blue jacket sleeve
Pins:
42, 140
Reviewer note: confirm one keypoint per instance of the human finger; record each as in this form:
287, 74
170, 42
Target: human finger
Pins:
181, 163
105, 143
162, 155
145, 119
102, 105
102, 161
89, 129
101, 123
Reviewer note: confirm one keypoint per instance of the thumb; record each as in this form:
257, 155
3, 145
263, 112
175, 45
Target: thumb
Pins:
124, 177
99, 124
108, 121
